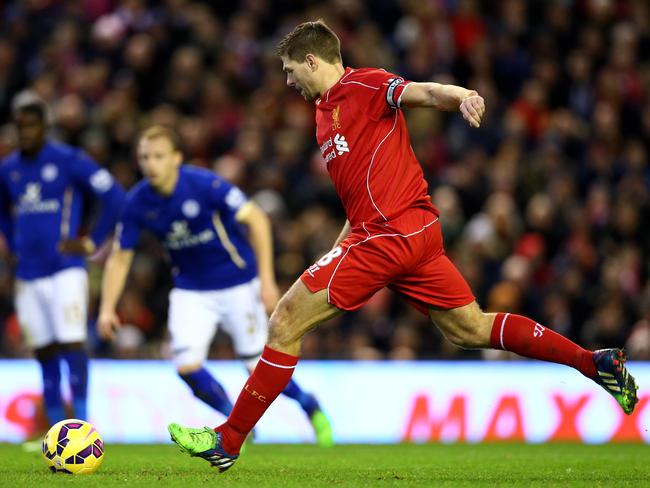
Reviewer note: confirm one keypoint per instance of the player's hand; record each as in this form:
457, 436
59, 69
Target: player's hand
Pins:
83, 246
270, 295
473, 108
107, 324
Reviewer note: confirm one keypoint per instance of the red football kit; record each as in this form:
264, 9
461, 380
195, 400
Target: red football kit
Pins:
395, 237
395, 240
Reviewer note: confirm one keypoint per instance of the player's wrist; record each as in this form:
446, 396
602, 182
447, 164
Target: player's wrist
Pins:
88, 245
106, 312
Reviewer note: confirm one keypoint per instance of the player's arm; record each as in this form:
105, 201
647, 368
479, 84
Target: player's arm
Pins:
116, 270
117, 267
445, 97
99, 182
343, 234
261, 239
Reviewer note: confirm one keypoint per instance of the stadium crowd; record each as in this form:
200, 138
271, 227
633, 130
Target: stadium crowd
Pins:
543, 207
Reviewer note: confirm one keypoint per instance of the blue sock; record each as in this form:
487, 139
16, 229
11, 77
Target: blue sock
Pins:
51, 373
306, 400
77, 360
206, 388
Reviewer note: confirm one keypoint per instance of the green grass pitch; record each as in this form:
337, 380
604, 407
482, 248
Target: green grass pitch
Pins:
287, 466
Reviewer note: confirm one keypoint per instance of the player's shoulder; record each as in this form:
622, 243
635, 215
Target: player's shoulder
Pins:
62, 151
9, 162
138, 193
195, 173
200, 178
370, 77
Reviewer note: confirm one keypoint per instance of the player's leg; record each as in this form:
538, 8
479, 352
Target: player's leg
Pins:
470, 327
68, 308
192, 325
49, 359
298, 312
435, 286
39, 334
245, 320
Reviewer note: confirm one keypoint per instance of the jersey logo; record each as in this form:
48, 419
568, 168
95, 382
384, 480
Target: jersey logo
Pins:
32, 193
31, 201
235, 198
101, 180
180, 236
190, 208
341, 144
336, 121
49, 172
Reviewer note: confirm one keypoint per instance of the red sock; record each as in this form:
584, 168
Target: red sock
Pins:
269, 378
528, 338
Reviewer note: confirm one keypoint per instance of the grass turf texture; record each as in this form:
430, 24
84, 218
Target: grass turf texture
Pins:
289, 466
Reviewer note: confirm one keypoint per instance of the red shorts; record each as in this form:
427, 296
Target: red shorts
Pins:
405, 255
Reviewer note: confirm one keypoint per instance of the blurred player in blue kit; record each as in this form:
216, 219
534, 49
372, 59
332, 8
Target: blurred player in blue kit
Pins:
220, 245
43, 185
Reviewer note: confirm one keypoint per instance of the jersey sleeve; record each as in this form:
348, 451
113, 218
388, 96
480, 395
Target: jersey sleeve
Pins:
93, 179
127, 231
225, 197
385, 91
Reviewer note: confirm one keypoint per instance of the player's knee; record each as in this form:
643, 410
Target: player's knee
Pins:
280, 333
468, 335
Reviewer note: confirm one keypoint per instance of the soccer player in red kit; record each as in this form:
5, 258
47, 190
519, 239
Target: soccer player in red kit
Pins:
391, 239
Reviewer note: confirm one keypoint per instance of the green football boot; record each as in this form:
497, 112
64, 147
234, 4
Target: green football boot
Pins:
614, 378
204, 443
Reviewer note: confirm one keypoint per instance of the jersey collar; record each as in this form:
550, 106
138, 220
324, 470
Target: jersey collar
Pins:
334, 87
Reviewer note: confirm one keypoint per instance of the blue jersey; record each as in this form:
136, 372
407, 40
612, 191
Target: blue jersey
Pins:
41, 202
208, 248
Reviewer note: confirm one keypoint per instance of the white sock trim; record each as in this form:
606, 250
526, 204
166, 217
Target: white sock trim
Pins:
503, 323
277, 365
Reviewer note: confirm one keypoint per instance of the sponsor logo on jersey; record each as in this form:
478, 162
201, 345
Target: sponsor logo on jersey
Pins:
49, 172
341, 144
338, 144
190, 208
180, 236
31, 202
336, 121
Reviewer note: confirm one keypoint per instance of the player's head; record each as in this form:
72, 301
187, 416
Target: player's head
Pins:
159, 156
309, 53
30, 115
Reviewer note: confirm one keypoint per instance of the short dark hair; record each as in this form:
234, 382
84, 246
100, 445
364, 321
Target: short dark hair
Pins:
313, 37
160, 131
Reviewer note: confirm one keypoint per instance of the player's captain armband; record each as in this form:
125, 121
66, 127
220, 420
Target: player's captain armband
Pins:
393, 83
235, 198
101, 181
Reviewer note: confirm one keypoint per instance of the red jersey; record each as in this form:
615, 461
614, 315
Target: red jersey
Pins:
363, 138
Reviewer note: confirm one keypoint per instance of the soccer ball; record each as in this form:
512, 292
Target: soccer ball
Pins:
73, 446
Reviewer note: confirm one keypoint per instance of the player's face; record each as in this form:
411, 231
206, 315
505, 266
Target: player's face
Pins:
31, 132
300, 77
159, 161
